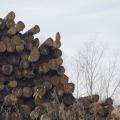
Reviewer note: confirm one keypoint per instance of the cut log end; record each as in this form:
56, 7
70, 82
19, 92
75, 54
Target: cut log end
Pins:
20, 26
58, 37
10, 16
7, 69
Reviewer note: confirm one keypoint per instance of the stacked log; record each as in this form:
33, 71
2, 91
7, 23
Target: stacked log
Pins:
116, 113
98, 110
89, 108
32, 77
33, 84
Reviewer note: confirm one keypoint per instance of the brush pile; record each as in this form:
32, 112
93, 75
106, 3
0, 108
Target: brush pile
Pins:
33, 84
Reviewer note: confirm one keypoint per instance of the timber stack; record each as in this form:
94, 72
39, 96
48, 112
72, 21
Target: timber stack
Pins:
31, 74
33, 84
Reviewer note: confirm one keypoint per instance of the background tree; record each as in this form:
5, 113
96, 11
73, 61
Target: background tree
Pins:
93, 72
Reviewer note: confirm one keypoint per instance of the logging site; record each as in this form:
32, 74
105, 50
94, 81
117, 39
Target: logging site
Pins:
59, 61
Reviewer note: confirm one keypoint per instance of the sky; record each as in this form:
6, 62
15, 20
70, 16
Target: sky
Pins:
77, 20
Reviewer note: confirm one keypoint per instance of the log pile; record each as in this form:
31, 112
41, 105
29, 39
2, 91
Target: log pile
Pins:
93, 109
31, 74
33, 84
116, 113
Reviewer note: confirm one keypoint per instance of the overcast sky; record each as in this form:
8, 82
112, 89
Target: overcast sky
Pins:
76, 20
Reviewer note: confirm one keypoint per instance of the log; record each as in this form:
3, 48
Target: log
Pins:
24, 56
57, 43
2, 47
20, 47
39, 91
63, 79
69, 88
17, 92
12, 84
34, 55
57, 53
55, 63
48, 42
25, 111
84, 103
15, 116
29, 46
59, 61
5, 39
7, 69
96, 108
24, 64
44, 50
60, 92
59, 88
54, 80
60, 70
58, 37
28, 38
68, 99
12, 31
10, 23
10, 99
10, 16
27, 92
45, 47
10, 47
47, 85
109, 109
91, 99
95, 98
20, 26
32, 31
41, 109
43, 68
15, 39
34, 115
45, 116
108, 101
27, 74
36, 42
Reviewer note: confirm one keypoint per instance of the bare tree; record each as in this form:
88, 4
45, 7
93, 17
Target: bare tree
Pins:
72, 70
92, 73
90, 60
110, 78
